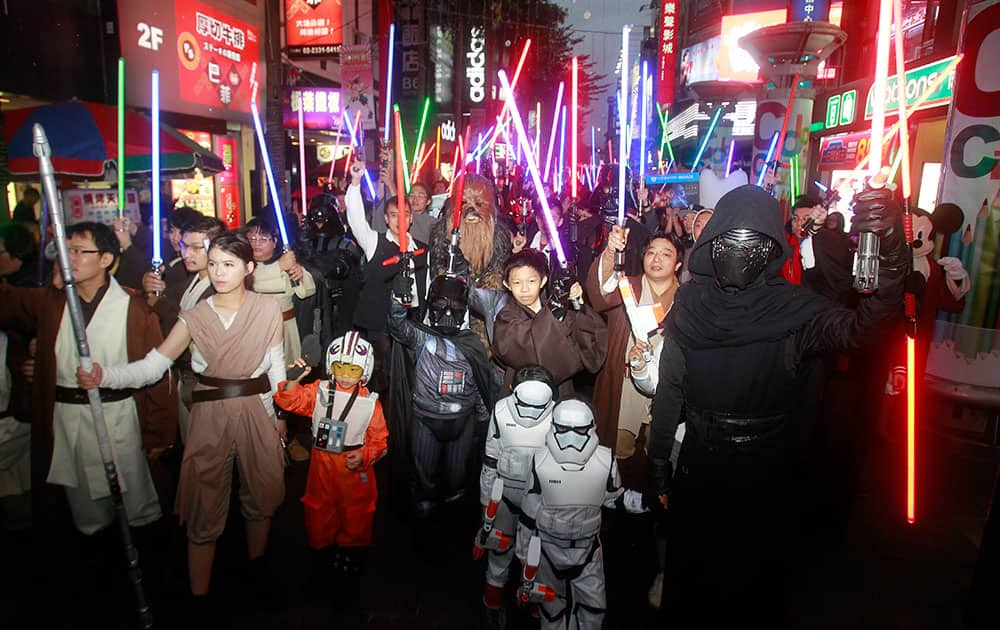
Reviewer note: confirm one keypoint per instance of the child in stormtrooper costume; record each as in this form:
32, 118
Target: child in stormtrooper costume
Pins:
571, 480
350, 435
517, 431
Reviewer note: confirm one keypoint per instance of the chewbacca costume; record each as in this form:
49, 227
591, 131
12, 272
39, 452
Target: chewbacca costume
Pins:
484, 241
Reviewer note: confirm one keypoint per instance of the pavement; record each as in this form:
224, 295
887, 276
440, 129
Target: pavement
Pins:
861, 564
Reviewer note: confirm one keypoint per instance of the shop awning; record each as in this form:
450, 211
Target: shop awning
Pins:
84, 141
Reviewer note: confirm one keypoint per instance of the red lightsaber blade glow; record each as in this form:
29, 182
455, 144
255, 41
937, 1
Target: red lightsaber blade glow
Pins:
400, 183
573, 129
459, 187
910, 301
522, 137
302, 160
336, 150
879, 86
555, 128
784, 129
504, 110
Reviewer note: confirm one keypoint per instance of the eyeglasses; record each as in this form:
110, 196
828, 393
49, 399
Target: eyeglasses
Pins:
79, 251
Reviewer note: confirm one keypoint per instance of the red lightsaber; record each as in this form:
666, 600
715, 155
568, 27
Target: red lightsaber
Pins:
909, 299
784, 132
404, 245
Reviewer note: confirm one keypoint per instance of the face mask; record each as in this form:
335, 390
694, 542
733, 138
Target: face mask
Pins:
739, 257
532, 399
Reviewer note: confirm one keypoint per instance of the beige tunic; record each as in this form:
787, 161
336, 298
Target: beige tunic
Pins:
269, 279
236, 427
76, 458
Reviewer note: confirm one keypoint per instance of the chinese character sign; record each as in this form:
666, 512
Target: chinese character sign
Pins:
412, 48
357, 83
204, 54
320, 107
809, 10
313, 28
215, 53
667, 55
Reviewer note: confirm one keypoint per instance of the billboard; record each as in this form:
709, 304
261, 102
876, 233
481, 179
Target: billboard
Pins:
698, 62
734, 63
320, 107
313, 28
667, 53
204, 52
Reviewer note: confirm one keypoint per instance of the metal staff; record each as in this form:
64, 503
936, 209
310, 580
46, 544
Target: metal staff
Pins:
44, 154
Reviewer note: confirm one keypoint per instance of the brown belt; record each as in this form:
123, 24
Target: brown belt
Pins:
77, 396
229, 388
289, 314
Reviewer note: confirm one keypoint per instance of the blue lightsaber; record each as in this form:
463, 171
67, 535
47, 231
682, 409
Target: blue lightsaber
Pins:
767, 160
356, 142
155, 175
271, 185
707, 138
388, 85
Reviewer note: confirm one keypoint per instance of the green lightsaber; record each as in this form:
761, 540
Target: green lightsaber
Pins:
121, 137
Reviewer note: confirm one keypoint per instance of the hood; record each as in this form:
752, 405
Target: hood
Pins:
744, 207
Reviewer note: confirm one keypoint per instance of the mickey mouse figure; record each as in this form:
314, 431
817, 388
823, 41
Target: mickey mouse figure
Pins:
940, 284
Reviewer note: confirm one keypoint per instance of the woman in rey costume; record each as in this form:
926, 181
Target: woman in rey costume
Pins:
235, 338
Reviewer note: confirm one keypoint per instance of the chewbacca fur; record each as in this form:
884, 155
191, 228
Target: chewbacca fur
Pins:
486, 243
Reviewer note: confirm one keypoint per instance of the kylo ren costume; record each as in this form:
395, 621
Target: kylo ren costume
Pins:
737, 367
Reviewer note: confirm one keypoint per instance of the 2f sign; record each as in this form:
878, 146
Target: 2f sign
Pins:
150, 37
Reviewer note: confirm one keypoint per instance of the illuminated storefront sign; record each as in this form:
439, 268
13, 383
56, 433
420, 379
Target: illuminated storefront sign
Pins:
667, 53
313, 28
917, 81
204, 55
475, 64
320, 107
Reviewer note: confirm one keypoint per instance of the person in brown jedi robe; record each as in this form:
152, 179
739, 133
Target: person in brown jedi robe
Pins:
621, 409
549, 332
235, 337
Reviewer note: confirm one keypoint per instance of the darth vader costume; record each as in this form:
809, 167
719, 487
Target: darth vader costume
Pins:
327, 248
738, 368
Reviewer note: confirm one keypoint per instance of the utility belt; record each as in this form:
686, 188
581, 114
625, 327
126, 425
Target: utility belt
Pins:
78, 396
288, 315
225, 388
726, 429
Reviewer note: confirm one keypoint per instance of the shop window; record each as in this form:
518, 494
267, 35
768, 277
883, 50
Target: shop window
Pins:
919, 22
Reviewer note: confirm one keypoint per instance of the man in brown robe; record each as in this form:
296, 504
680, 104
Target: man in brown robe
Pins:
662, 260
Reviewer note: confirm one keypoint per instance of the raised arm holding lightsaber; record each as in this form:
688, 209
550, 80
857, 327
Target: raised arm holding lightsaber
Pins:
75, 311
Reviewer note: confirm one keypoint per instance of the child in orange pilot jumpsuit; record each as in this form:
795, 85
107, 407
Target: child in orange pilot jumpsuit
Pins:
349, 437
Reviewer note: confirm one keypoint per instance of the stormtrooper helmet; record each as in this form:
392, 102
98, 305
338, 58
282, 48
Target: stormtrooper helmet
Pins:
530, 403
352, 350
572, 439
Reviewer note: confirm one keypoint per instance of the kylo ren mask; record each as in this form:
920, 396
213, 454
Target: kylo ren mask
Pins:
739, 256
447, 304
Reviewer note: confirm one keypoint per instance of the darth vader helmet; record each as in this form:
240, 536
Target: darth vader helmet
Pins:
447, 303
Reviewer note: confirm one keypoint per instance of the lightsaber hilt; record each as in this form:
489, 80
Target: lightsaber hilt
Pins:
574, 223
157, 271
866, 262
453, 251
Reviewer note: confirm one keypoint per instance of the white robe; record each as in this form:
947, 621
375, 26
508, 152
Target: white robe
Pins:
76, 458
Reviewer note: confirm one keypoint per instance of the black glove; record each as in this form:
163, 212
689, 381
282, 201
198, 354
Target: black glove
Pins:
875, 210
458, 261
557, 306
915, 283
660, 472
402, 286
